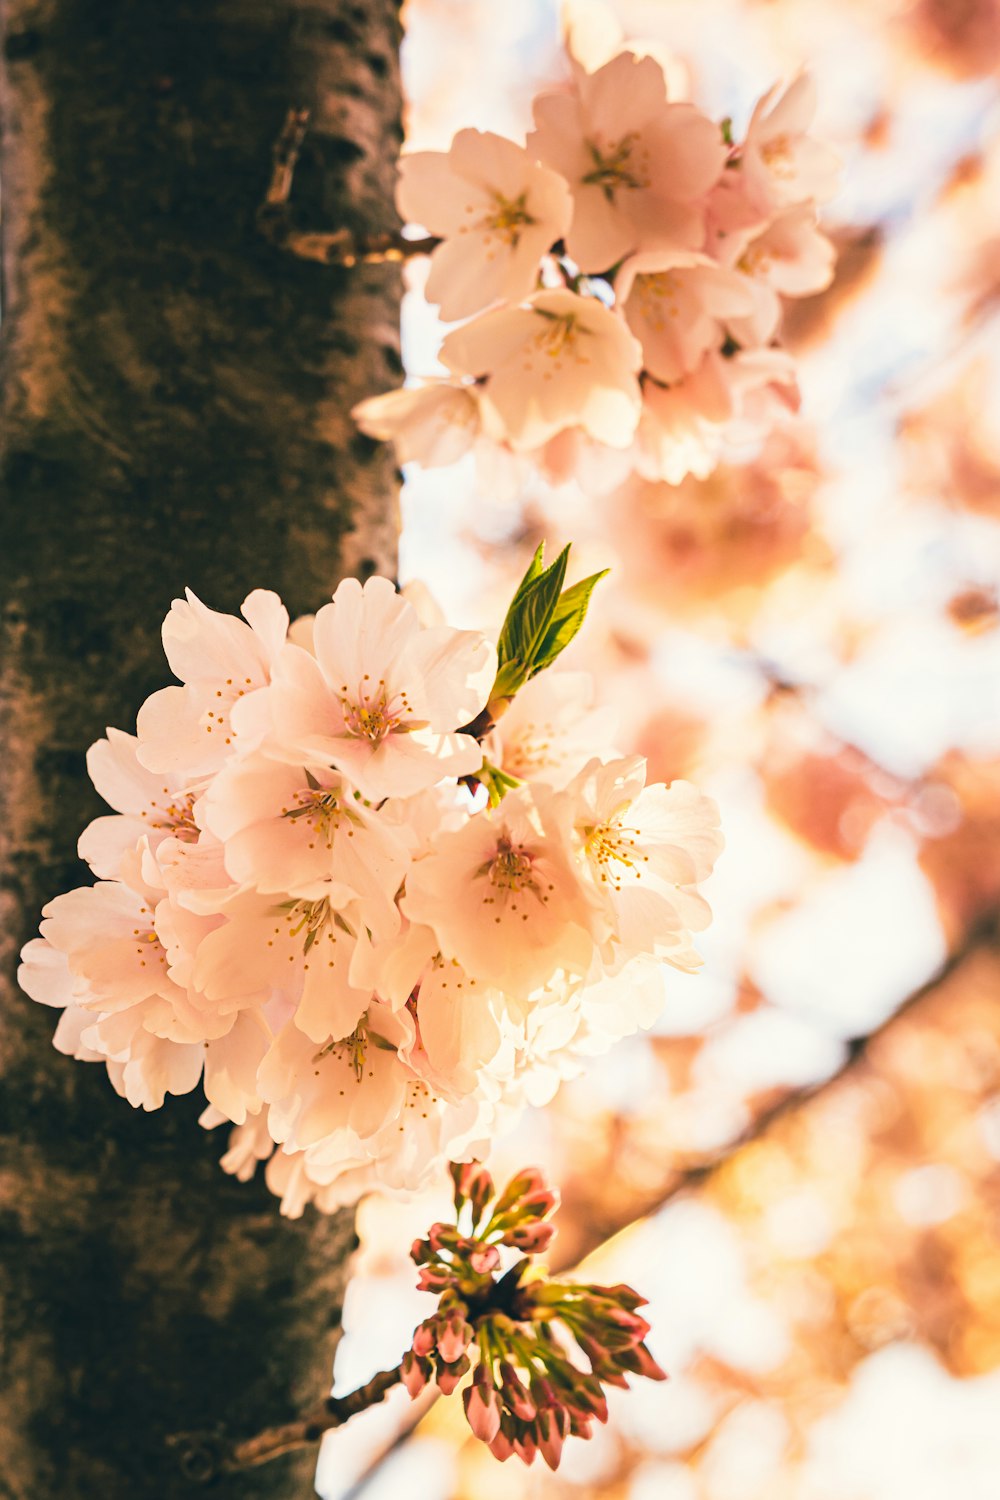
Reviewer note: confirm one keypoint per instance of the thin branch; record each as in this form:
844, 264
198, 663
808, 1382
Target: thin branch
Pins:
336, 247
204, 1456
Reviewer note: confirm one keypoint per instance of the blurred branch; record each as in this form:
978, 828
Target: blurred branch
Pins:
982, 934
335, 247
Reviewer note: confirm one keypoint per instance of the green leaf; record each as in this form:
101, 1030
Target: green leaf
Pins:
506, 650
566, 619
536, 607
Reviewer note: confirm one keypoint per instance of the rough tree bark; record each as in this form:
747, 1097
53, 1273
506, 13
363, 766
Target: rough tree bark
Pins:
175, 398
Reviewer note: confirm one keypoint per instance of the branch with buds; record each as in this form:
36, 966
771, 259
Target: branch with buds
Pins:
515, 1329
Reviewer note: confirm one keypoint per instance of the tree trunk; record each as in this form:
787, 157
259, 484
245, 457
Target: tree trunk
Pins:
175, 399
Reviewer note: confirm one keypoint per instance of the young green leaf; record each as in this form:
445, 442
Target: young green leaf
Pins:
567, 617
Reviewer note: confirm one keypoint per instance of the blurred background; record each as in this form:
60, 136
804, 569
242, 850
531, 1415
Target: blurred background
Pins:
800, 1166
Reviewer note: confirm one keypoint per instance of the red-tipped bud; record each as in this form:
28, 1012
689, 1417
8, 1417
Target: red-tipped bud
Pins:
525, 1443
451, 1375
553, 1426
425, 1336
530, 1180
442, 1237
482, 1409
580, 1426
473, 1184
533, 1239
624, 1296
538, 1205
484, 1259
502, 1447
454, 1335
416, 1372
515, 1394
639, 1361
435, 1278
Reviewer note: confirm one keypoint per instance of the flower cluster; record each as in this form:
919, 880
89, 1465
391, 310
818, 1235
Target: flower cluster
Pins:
528, 1393
318, 901
622, 274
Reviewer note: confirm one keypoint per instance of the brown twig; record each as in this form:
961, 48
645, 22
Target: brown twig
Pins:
203, 1457
335, 247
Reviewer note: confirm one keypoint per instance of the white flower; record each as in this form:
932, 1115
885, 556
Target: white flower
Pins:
306, 835
496, 211
551, 729
383, 699
157, 805
503, 896
433, 424
558, 361
638, 167
676, 304
646, 849
781, 163
190, 730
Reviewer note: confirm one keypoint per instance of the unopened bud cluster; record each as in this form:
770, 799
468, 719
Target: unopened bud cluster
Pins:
527, 1393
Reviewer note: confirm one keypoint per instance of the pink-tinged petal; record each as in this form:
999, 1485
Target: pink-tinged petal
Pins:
622, 96
68, 1036
488, 341
231, 1064
330, 1006
268, 619
458, 1028
44, 974
105, 841
431, 192
433, 424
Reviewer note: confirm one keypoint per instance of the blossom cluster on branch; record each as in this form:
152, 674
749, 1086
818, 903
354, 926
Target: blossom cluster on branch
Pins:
622, 274
529, 1391
372, 882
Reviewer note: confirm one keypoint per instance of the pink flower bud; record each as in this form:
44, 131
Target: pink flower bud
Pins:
539, 1204
525, 1445
515, 1393
421, 1252
484, 1260
502, 1447
435, 1278
425, 1337
416, 1372
482, 1409
639, 1361
449, 1376
529, 1180
533, 1239
454, 1335
581, 1426
442, 1236
473, 1184
552, 1425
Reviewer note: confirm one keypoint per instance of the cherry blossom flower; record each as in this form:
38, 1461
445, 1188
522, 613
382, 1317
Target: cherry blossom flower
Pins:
497, 213
287, 831
551, 729
676, 305
221, 661
781, 163
383, 699
791, 258
433, 424
646, 849
638, 167
153, 804
503, 896
558, 361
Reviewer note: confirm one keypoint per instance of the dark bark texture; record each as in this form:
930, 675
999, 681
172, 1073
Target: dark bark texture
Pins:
175, 411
